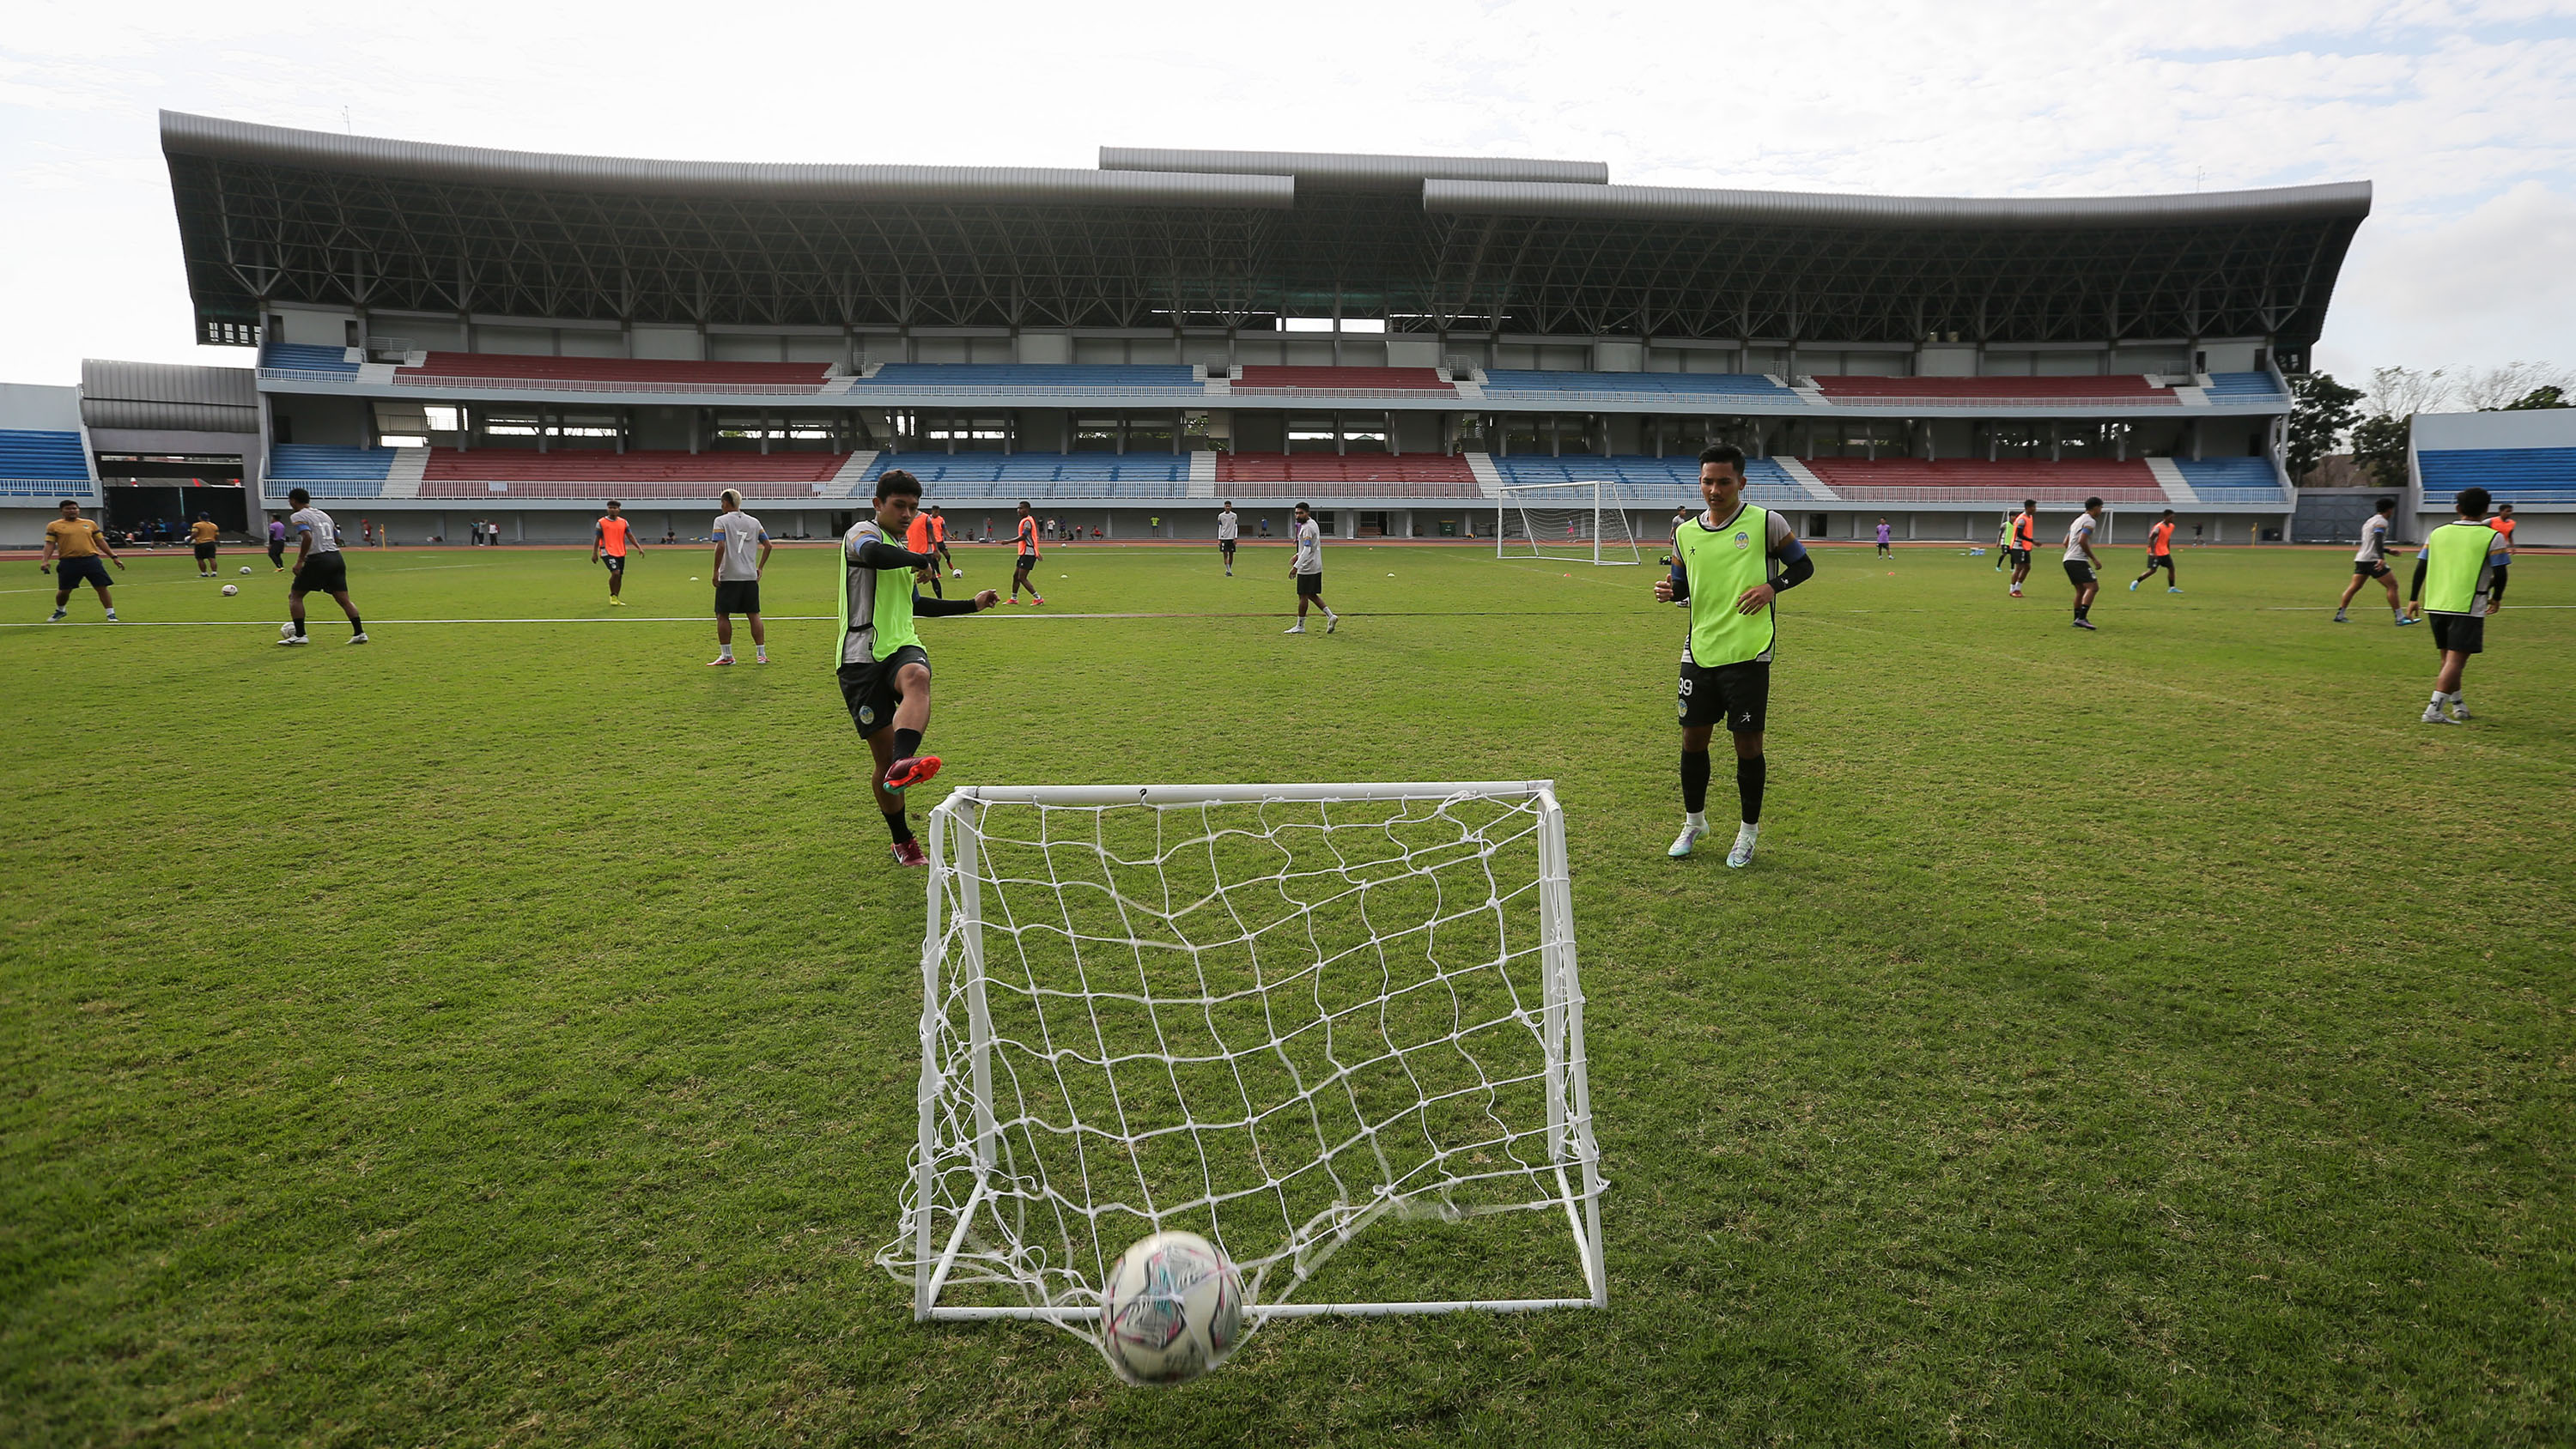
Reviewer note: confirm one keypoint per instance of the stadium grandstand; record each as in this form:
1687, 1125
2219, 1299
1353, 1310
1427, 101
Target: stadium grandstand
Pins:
446, 333
2527, 459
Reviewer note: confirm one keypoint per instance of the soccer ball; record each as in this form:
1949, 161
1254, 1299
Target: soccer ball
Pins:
1172, 1309
286, 630
957, 573
245, 568
231, 589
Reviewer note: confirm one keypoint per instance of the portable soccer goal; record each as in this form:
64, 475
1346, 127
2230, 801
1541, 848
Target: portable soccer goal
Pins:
1289, 1018
1566, 522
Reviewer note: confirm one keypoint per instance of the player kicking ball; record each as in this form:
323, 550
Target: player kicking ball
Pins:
1729, 564
2159, 554
884, 672
2083, 566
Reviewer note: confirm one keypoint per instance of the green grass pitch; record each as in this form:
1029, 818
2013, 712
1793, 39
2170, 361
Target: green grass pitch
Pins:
506, 1032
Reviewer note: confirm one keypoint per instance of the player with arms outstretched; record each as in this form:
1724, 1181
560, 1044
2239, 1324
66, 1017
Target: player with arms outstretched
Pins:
611, 539
884, 672
1028, 535
2159, 554
2370, 561
1729, 564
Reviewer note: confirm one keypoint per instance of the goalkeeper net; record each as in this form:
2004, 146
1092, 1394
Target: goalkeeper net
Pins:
1272, 1015
1567, 522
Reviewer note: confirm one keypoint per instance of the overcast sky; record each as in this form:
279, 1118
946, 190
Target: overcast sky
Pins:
2462, 114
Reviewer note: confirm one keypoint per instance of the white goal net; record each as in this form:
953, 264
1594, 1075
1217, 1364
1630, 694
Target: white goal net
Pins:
1273, 1015
1566, 522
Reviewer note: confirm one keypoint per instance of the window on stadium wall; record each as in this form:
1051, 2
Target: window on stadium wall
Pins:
158, 496
1095, 435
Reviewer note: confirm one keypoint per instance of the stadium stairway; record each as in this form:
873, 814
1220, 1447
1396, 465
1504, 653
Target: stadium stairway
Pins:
1202, 475
857, 476
403, 477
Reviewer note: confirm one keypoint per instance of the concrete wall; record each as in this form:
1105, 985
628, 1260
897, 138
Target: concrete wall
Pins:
36, 408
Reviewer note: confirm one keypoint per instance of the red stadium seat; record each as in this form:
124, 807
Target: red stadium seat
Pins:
585, 473
1415, 379
1975, 480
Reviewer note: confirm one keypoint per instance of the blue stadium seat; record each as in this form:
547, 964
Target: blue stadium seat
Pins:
2243, 387
2231, 480
1042, 475
1684, 387
305, 357
2511, 475
42, 464
1650, 481
1003, 376
328, 471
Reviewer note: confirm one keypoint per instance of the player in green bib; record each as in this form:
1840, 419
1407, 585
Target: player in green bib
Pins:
2455, 574
884, 671
1729, 563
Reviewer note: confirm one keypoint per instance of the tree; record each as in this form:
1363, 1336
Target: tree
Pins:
2321, 412
2402, 392
2496, 389
2550, 396
2379, 446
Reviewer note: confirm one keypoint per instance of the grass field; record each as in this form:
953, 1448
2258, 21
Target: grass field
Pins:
506, 1032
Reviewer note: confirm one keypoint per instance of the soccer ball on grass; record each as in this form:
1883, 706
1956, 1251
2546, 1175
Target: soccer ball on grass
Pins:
1171, 1309
231, 589
245, 568
286, 630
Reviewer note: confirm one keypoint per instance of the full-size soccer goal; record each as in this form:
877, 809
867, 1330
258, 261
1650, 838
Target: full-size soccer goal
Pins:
1289, 1018
1566, 522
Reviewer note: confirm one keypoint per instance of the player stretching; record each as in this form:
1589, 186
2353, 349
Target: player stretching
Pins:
742, 551
79, 545
1028, 535
1729, 580
610, 539
1307, 568
2455, 578
939, 542
1226, 531
2501, 523
2371, 562
1884, 549
2159, 554
2025, 542
2083, 566
320, 567
884, 672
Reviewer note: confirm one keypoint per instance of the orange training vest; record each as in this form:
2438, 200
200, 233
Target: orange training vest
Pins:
613, 533
2160, 538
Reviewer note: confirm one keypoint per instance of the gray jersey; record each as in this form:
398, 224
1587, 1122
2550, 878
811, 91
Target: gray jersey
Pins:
742, 536
1310, 548
2374, 540
326, 534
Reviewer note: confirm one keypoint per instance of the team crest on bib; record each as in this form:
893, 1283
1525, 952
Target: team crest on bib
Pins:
1741, 538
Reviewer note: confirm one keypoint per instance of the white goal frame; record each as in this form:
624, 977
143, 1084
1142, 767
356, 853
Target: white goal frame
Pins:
1597, 498
961, 1121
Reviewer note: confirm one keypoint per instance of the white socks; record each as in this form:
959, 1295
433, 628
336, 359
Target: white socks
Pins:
760, 652
1696, 819
724, 651
1746, 834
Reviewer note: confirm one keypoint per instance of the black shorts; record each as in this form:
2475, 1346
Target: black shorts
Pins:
2078, 572
738, 596
1735, 695
2466, 633
1311, 586
323, 573
1028, 561
615, 563
2375, 569
869, 689
205, 553
2157, 561
2020, 557
1226, 546
71, 573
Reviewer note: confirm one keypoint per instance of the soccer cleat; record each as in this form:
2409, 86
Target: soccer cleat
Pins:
2340, 617
2433, 715
2016, 593
1037, 598
1297, 628
2133, 586
617, 603
905, 773
2403, 621
908, 852
1742, 855
358, 638
2459, 710
2085, 624
1331, 622
719, 661
58, 616
1691, 835
2173, 591
292, 640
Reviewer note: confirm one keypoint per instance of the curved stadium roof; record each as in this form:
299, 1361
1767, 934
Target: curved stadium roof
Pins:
268, 214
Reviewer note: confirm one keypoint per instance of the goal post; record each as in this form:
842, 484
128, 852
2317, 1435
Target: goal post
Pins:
1564, 522
1277, 1016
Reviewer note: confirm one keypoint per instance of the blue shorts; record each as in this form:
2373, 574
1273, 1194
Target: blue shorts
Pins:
71, 573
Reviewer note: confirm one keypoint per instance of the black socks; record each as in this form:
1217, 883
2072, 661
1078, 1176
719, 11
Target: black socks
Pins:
898, 827
907, 743
1749, 774
1694, 780
357, 625
2082, 609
